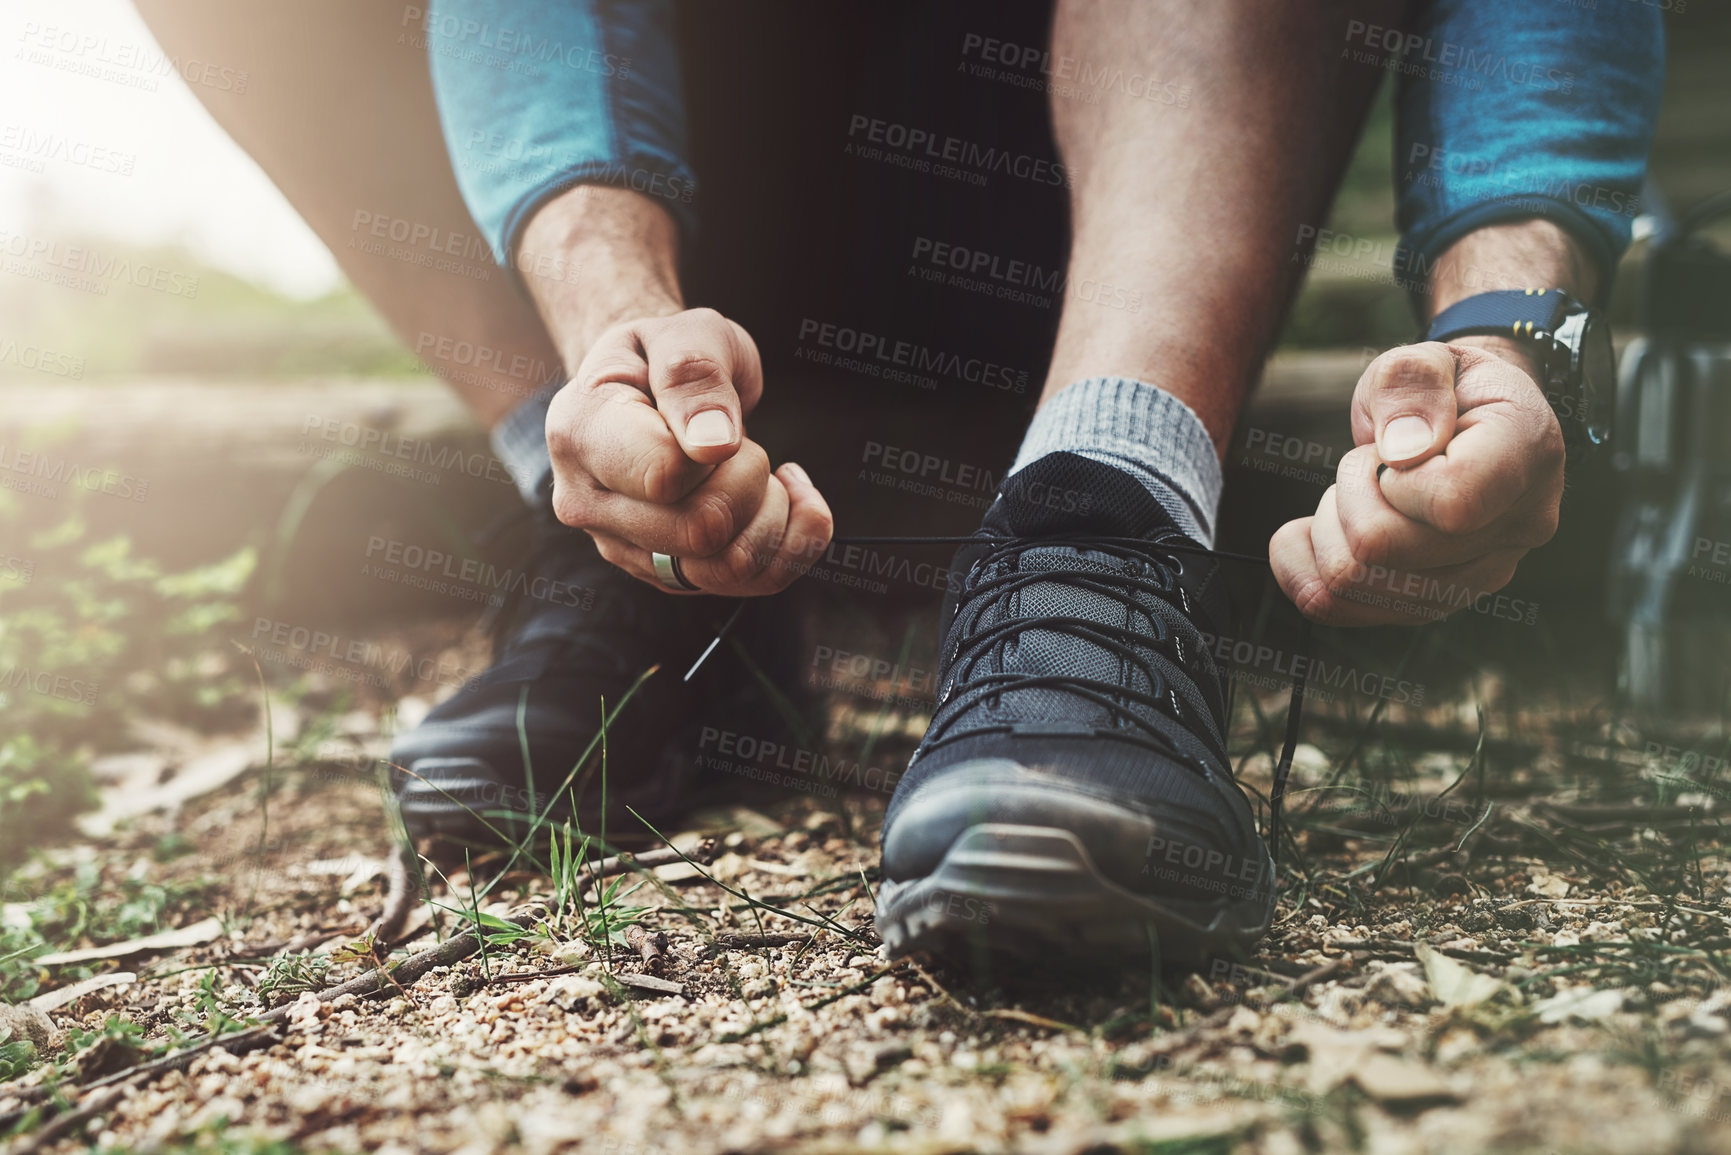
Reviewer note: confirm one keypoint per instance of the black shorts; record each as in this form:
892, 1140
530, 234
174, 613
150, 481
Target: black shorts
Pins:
882, 206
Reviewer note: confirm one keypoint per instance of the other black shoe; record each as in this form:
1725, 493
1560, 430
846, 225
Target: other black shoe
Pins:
573, 631
1072, 796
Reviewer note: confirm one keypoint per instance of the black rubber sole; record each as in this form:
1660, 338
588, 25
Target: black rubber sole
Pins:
1034, 893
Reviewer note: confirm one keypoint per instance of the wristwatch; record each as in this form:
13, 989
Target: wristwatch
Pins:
1573, 346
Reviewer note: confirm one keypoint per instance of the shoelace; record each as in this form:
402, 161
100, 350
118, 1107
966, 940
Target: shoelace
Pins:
1295, 706
498, 617
986, 644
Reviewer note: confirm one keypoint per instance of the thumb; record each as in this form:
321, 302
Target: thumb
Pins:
704, 374
1405, 403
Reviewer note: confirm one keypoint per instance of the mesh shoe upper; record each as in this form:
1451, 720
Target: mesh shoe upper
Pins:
574, 631
1074, 648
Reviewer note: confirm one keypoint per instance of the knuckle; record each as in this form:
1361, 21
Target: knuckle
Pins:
740, 336
1412, 367
1548, 447
1312, 597
778, 577
612, 366
663, 475
754, 458
694, 371
572, 506
804, 544
617, 333
1494, 579
1540, 529
1370, 538
1337, 573
1505, 574
743, 561
822, 527
1335, 568
611, 551
1350, 480
706, 528
1455, 508
562, 443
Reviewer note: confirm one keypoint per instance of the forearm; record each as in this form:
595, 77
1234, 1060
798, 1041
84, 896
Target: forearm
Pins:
1533, 254
617, 252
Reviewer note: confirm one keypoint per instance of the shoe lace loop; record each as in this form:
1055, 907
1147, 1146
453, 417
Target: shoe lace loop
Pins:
1127, 705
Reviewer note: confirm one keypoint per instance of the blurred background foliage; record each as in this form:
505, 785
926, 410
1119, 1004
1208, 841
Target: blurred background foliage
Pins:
230, 328
109, 639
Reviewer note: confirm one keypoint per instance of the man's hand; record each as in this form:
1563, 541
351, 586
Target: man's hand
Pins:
650, 454
1457, 474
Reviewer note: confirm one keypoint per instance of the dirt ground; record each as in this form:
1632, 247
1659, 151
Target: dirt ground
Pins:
1518, 946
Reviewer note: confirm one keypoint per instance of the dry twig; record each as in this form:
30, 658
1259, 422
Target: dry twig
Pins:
651, 946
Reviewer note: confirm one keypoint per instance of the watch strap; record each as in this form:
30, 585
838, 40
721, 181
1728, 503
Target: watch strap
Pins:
1502, 313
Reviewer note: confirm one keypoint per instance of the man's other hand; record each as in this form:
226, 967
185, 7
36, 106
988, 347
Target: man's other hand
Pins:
1458, 472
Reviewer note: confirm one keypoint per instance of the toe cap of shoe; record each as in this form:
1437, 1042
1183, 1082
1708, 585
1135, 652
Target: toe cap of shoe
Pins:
1146, 846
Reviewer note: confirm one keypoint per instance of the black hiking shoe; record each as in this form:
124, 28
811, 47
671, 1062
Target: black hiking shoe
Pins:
1072, 798
573, 630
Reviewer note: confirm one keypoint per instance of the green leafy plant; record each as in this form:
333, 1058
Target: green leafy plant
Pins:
608, 920
18, 980
114, 1029
17, 1056
94, 904
218, 1137
90, 905
92, 637
290, 974
213, 1010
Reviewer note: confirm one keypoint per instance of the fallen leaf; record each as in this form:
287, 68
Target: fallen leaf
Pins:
197, 934
1455, 984
208, 772
775, 868
420, 918
1586, 1004
1706, 1020
1399, 985
139, 769
1548, 885
732, 819
651, 984
54, 1000
1391, 1079
1336, 1055
676, 872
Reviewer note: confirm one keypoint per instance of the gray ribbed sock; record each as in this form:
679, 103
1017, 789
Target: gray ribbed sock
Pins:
520, 444
1146, 432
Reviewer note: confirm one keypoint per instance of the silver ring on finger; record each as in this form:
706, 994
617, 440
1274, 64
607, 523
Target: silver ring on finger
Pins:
670, 575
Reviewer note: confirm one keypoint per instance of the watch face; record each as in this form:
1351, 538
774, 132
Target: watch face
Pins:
1591, 378
1597, 373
